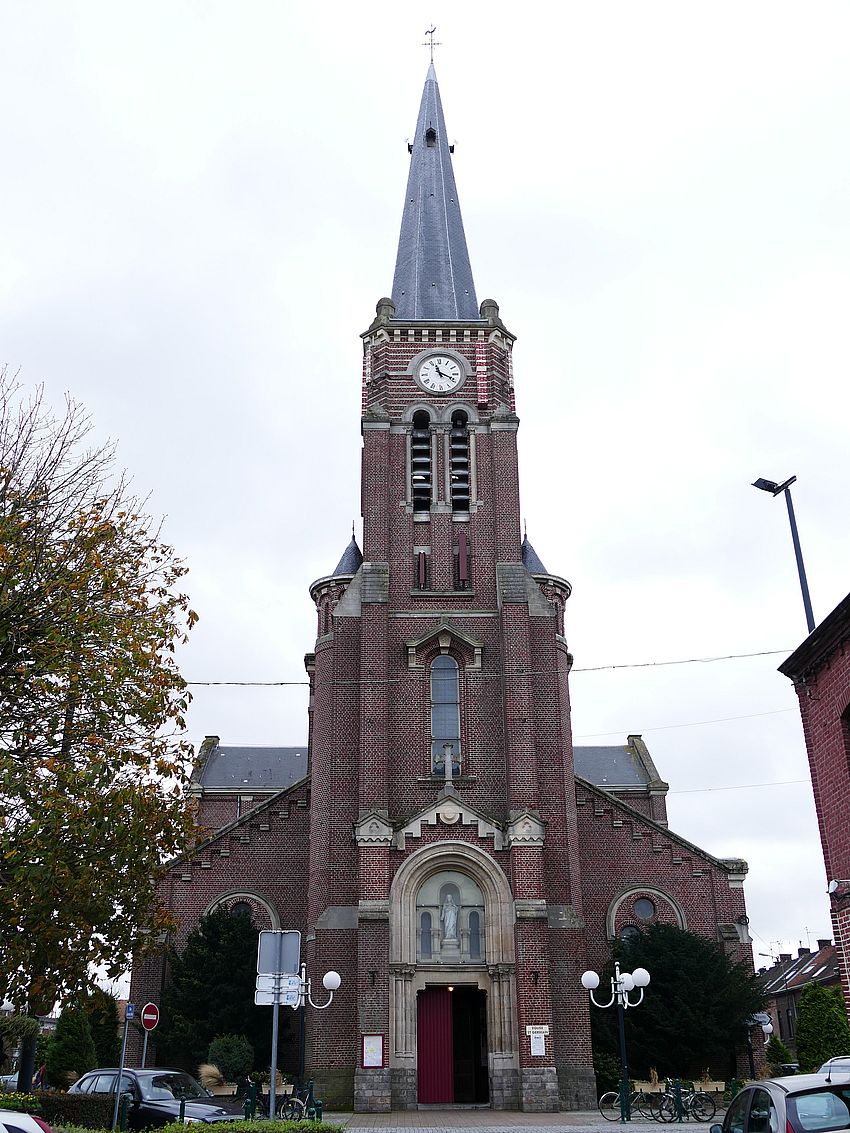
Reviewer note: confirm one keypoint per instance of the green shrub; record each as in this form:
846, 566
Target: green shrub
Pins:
233, 1055
72, 1052
91, 1111
777, 1054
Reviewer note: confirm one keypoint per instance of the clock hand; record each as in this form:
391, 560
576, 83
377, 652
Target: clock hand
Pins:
439, 371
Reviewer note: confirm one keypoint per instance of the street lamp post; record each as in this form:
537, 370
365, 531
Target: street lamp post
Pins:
621, 984
785, 489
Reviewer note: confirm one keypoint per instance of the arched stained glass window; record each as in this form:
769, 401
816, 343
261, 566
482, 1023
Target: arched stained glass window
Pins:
445, 715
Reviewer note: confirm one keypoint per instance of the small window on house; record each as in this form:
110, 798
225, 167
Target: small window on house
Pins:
425, 936
430, 137
474, 936
240, 909
459, 461
420, 462
629, 932
445, 715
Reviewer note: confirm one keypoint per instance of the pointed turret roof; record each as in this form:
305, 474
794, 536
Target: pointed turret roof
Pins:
530, 558
350, 561
433, 278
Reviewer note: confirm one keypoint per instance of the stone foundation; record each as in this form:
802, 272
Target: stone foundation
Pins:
504, 1089
404, 1088
539, 1086
577, 1087
334, 1088
372, 1091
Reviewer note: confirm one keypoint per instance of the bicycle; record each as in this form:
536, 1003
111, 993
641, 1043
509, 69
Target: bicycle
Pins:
295, 1106
695, 1103
640, 1103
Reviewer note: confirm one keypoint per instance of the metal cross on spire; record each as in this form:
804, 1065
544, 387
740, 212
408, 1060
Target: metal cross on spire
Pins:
431, 44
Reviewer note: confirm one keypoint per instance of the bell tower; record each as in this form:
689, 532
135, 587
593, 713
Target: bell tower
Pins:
444, 867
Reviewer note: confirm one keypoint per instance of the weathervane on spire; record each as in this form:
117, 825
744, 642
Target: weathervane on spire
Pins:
430, 44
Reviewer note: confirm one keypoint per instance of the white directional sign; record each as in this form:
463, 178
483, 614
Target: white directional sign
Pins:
283, 983
286, 998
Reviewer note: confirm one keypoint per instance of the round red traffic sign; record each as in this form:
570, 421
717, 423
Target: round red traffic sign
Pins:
150, 1016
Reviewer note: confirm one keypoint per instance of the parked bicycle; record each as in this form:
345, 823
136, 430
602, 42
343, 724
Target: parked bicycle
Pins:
641, 1103
295, 1106
694, 1103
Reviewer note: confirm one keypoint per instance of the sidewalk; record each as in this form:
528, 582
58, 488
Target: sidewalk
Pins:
482, 1120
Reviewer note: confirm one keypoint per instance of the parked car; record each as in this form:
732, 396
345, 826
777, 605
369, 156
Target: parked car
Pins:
840, 1065
155, 1096
13, 1122
804, 1103
9, 1082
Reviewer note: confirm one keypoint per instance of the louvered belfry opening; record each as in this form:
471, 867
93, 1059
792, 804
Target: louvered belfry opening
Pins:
459, 442
420, 462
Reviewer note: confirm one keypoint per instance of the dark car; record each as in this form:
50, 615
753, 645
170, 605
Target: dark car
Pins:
156, 1096
805, 1103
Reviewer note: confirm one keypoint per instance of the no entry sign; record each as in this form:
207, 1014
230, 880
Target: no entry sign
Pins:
150, 1016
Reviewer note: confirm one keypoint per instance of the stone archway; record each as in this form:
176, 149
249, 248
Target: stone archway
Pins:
494, 975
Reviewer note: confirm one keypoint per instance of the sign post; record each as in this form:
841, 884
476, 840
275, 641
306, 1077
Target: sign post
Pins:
150, 1018
278, 960
129, 1012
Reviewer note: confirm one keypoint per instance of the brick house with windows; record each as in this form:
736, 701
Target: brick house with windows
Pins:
820, 670
439, 842
785, 979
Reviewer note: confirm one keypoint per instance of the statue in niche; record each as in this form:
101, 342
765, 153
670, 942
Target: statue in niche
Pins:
448, 916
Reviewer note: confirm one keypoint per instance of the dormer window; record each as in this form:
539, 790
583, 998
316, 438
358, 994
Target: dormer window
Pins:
459, 461
420, 462
430, 137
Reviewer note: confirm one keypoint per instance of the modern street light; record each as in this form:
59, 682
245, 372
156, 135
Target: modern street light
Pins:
621, 984
785, 489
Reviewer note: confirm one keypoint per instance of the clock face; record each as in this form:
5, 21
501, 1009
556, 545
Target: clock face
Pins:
440, 374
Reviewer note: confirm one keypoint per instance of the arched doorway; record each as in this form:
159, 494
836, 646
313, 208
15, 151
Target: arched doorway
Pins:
453, 1003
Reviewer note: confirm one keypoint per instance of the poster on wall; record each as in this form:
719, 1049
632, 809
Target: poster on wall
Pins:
373, 1051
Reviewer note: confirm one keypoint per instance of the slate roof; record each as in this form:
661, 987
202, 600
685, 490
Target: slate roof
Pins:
795, 972
611, 766
351, 559
433, 276
257, 768
530, 558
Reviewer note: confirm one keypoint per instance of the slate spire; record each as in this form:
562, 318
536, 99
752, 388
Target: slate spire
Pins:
433, 278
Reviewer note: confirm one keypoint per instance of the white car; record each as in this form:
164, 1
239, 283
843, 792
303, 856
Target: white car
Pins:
13, 1122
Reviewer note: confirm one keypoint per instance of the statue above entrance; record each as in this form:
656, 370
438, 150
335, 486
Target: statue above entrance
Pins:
448, 916
450, 921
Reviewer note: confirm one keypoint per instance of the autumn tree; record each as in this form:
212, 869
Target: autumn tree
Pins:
93, 763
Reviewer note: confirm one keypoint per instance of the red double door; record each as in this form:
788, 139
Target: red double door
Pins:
452, 1046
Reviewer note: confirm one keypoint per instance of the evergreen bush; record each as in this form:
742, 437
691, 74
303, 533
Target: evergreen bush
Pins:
72, 1052
233, 1055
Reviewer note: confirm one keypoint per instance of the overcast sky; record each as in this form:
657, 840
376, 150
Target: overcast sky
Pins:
199, 209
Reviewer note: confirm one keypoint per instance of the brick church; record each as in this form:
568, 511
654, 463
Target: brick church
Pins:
465, 863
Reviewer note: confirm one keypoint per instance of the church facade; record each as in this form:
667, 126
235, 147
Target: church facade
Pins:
464, 864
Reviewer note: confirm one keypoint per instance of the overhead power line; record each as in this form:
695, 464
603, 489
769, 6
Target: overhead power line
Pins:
740, 787
691, 724
588, 669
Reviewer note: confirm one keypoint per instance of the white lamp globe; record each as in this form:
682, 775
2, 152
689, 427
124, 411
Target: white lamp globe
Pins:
641, 977
589, 981
331, 981
768, 1029
626, 981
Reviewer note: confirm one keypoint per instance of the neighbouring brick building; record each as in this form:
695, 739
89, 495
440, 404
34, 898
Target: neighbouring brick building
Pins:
820, 670
785, 980
439, 842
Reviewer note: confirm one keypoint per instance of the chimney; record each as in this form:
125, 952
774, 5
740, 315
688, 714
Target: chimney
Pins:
824, 944
785, 956
803, 952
